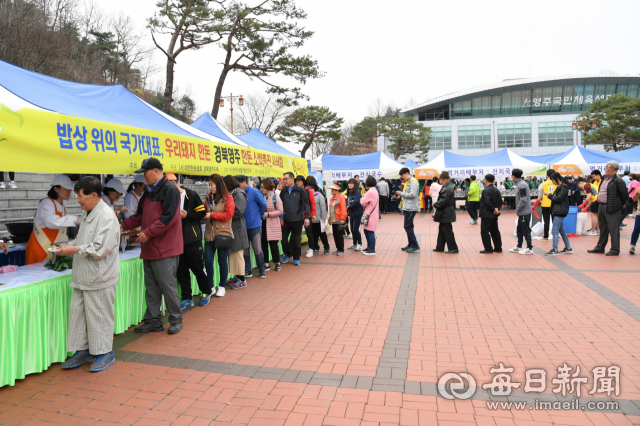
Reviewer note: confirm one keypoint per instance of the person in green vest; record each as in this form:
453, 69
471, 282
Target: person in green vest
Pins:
473, 199
511, 201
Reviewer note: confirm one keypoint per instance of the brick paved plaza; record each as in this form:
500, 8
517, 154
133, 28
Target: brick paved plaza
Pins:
361, 340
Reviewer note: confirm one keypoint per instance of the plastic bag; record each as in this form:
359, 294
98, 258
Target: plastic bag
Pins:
537, 230
581, 221
515, 231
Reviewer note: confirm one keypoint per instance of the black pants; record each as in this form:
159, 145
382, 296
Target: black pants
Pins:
318, 234
445, 235
355, 230
11, 176
489, 231
524, 230
472, 209
384, 203
291, 243
408, 228
546, 215
338, 237
192, 260
310, 239
266, 245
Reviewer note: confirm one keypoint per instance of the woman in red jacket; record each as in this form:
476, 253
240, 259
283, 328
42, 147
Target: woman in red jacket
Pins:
219, 207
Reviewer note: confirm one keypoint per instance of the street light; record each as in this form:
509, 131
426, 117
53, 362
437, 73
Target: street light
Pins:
231, 98
584, 125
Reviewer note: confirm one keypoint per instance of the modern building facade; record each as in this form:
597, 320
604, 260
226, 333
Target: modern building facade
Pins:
530, 116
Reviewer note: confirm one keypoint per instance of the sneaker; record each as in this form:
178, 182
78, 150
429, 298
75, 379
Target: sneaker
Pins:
359, 247
515, 249
278, 268
248, 274
567, 251
327, 250
13, 185
267, 268
102, 362
148, 327
285, 259
597, 232
473, 222
79, 358
204, 300
296, 263
525, 251
238, 285
413, 249
552, 252
309, 253
347, 237
263, 275
231, 282
175, 328
2, 185
629, 215
351, 247
623, 224
338, 253
316, 250
590, 233
368, 252
186, 304
365, 250
221, 291
405, 248
632, 250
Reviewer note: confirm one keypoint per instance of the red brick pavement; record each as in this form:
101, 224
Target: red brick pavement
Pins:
332, 315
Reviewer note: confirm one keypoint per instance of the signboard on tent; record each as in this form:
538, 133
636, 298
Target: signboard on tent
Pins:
426, 173
348, 174
32, 139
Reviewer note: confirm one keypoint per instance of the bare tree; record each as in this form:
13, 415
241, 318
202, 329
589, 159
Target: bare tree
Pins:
190, 24
263, 112
129, 52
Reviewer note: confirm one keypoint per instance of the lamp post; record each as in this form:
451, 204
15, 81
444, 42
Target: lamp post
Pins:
584, 125
231, 98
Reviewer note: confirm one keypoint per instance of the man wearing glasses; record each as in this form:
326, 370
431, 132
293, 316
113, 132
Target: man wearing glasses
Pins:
297, 212
612, 196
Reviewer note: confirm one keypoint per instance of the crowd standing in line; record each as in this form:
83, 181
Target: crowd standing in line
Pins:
237, 217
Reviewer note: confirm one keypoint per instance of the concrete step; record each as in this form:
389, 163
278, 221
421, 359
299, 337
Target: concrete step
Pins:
29, 212
28, 202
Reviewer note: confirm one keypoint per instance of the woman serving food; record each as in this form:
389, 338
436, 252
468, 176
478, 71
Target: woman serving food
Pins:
51, 221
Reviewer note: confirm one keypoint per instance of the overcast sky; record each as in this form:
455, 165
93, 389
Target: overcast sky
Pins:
408, 51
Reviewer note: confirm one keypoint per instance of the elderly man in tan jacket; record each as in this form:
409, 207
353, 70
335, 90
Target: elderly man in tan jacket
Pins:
96, 268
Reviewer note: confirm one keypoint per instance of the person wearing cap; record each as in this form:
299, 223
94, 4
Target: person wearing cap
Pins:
297, 212
256, 206
159, 216
337, 217
134, 193
51, 221
192, 258
113, 190
302, 183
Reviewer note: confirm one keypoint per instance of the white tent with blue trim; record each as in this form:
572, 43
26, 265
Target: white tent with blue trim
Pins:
344, 167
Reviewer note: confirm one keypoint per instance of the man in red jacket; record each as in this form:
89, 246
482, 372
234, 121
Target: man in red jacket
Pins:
159, 216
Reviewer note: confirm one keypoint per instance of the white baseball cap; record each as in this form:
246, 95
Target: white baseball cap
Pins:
63, 181
115, 184
140, 179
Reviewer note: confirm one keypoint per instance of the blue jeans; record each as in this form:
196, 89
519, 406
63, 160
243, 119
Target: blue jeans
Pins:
636, 231
408, 228
371, 239
223, 265
558, 229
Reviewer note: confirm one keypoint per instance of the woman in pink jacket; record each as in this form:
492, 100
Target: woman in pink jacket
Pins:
271, 228
370, 202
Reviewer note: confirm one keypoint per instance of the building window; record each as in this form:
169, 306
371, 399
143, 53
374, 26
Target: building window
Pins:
514, 135
474, 137
440, 138
555, 134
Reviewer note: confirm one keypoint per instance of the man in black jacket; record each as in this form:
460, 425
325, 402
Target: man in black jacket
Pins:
192, 212
445, 215
297, 212
490, 203
612, 196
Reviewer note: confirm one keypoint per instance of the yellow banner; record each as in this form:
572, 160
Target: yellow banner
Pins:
45, 142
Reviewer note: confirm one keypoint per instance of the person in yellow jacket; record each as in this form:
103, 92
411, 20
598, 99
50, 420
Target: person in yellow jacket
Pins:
473, 199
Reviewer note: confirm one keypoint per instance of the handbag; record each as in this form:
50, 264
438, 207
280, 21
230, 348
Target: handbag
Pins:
223, 242
220, 231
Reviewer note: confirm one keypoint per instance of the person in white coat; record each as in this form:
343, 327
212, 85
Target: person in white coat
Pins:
135, 191
113, 190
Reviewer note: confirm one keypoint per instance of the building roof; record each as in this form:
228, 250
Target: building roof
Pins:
513, 84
